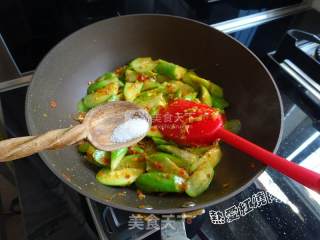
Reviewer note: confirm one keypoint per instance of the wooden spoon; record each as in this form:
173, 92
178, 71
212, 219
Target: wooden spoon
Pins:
98, 127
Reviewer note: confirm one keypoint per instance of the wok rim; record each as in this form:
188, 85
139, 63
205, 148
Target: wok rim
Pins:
46, 159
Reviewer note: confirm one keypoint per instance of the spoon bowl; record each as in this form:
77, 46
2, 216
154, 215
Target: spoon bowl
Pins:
102, 120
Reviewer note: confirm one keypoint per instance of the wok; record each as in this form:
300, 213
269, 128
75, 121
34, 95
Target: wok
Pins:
64, 73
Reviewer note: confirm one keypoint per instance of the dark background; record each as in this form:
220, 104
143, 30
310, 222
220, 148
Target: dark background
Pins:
31, 27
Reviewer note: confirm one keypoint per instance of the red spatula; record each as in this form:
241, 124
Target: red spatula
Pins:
195, 124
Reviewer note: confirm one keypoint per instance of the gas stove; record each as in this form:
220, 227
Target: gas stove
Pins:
273, 207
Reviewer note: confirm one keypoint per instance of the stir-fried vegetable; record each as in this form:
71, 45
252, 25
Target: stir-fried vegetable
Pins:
122, 177
116, 157
200, 180
157, 164
160, 182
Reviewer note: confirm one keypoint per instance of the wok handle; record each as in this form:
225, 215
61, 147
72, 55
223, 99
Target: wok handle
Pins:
302, 175
20, 147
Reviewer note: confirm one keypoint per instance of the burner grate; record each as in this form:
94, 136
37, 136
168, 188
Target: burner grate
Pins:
317, 53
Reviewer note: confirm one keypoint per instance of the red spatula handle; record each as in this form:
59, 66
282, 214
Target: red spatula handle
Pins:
302, 175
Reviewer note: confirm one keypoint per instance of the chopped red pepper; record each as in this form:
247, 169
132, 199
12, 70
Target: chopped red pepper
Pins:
142, 78
106, 161
158, 166
53, 104
182, 173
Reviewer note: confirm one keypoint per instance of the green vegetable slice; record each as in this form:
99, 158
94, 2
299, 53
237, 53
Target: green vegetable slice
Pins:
142, 64
188, 157
159, 156
190, 96
160, 182
132, 161
113, 98
212, 156
151, 99
161, 79
83, 147
195, 81
200, 180
81, 107
153, 111
101, 158
162, 163
219, 102
150, 84
178, 89
205, 96
121, 177
135, 149
101, 84
160, 141
199, 150
96, 98
132, 90
107, 76
131, 76
170, 70
116, 157
89, 155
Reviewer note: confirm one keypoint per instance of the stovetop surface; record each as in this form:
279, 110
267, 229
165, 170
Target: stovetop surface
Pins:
294, 213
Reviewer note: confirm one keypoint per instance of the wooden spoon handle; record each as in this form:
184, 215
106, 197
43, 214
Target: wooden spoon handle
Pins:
15, 148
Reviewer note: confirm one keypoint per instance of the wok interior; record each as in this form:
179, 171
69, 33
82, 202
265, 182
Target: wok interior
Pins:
64, 73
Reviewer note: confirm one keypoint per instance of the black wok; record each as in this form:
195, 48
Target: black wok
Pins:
83, 56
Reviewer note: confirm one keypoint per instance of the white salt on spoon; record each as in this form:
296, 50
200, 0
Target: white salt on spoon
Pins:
129, 130
116, 125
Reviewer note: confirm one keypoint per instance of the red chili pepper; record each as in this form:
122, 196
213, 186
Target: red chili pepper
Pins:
142, 78
188, 123
106, 161
158, 166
